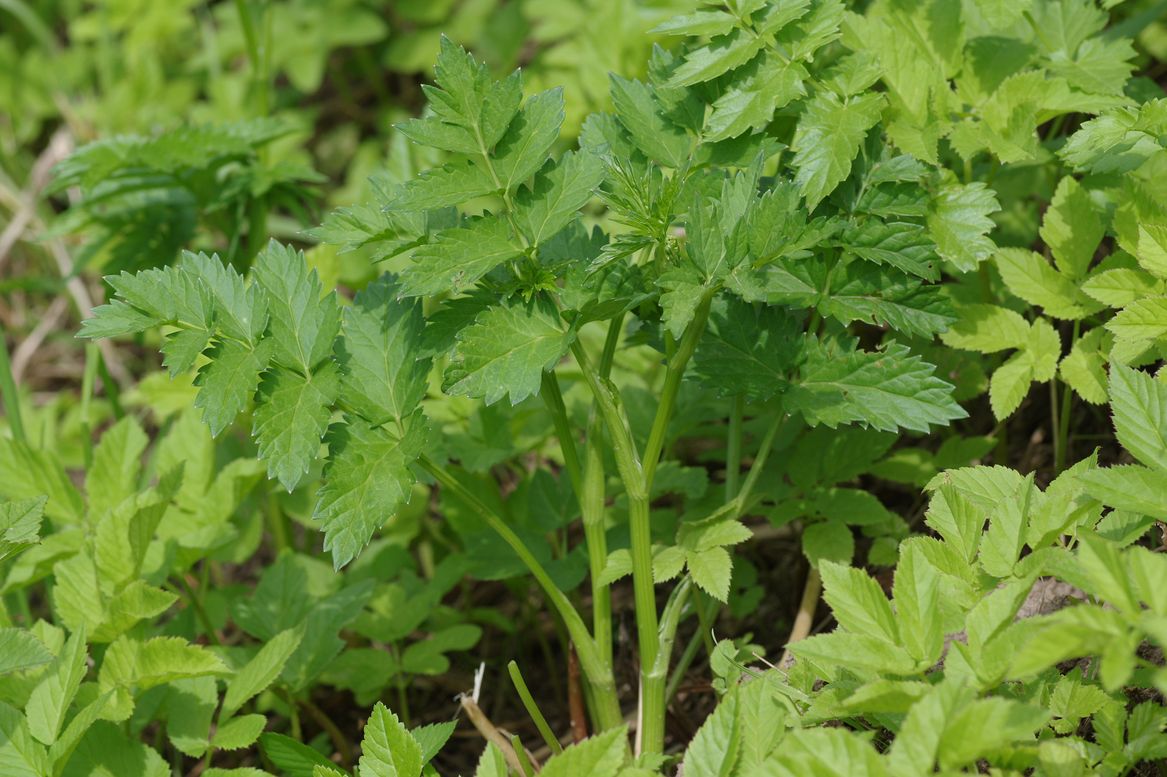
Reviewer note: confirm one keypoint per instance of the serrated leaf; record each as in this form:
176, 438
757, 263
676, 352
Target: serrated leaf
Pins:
240, 311
1121, 286
506, 351
1143, 319
986, 329
117, 464
711, 570
721, 55
525, 147
827, 140
600, 755
294, 758
750, 103
900, 244
367, 480
443, 187
1030, 277
455, 259
304, 322
1129, 487
20, 650
1084, 368
557, 195
886, 390
1139, 404
116, 319
1072, 228
858, 603
748, 350
238, 733
467, 97
290, 419
387, 748
51, 698
958, 220
20, 523
642, 116
261, 671
229, 381
383, 378
129, 663
715, 747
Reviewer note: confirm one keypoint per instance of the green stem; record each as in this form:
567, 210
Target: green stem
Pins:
673, 375
1062, 433
706, 608
592, 508
9, 393
533, 708
553, 397
88, 382
598, 673
733, 454
650, 732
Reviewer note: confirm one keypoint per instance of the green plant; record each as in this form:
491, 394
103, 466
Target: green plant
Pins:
778, 255
603, 358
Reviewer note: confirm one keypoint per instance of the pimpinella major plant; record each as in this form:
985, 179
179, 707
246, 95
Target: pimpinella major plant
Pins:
765, 244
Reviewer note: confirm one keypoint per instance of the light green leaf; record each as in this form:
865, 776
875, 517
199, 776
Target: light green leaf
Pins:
1072, 228
117, 465
238, 733
1143, 319
527, 143
383, 378
828, 137
598, 756
987, 725
387, 748
711, 570
1129, 487
887, 390
1030, 277
457, 258
367, 480
20, 523
505, 352
641, 114
304, 322
556, 195
986, 329
290, 419
228, 382
1139, 404
261, 671
492, 763
826, 752
50, 699
1084, 367
29, 473
20, 650
715, 747
858, 603
131, 663
958, 220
